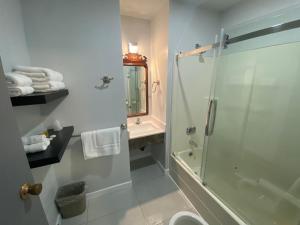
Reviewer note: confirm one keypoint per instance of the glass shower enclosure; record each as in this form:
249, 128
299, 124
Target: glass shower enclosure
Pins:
250, 156
191, 90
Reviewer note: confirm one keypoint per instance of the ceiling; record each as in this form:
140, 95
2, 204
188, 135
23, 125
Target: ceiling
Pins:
217, 5
146, 9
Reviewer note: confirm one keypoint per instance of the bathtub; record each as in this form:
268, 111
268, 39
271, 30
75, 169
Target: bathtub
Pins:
192, 159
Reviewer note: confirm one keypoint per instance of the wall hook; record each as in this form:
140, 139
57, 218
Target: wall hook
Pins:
155, 85
105, 82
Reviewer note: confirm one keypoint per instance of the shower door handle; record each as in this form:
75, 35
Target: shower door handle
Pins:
211, 117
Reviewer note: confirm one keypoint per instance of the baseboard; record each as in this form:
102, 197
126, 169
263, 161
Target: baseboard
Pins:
182, 193
58, 220
166, 171
110, 189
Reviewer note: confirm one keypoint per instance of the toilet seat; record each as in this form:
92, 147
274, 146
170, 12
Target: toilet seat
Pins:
189, 216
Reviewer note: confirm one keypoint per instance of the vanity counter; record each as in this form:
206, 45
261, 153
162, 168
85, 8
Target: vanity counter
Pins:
144, 126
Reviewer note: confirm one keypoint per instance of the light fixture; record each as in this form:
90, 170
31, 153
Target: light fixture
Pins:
133, 48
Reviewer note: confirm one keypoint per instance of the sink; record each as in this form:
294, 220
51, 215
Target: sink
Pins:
145, 128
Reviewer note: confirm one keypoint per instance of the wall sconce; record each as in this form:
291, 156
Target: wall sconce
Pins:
133, 48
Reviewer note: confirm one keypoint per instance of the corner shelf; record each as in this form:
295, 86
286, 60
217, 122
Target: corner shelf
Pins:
38, 98
55, 151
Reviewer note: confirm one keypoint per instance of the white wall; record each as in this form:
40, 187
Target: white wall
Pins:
249, 10
152, 38
191, 91
136, 30
159, 72
13, 49
189, 24
159, 61
83, 41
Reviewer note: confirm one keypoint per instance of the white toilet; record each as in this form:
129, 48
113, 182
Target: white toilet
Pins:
187, 218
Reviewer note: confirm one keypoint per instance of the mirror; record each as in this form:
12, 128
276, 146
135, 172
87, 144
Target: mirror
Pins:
135, 71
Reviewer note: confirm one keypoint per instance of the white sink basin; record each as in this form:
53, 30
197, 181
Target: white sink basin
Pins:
145, 128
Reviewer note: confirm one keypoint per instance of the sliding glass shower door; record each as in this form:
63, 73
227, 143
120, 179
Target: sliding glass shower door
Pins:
191, 89
252, 158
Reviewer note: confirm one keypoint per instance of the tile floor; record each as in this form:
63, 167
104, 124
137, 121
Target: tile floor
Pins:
152, 200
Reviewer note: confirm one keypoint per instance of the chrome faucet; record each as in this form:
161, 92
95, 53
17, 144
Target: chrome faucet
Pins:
138, 121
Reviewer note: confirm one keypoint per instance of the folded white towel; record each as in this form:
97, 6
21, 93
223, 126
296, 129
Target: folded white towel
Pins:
41, 87
34, 139
40, 83
35, 77
38, 147
17, 91
101, 143
51, 74
57, 85
15, 79
53, 86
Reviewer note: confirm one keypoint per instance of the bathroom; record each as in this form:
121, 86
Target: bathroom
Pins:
198, 99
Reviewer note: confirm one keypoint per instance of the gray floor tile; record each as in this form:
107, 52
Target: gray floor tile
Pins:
164, 207
132, 216
146, 174
155, 188
160, 199
152, 200
110, 203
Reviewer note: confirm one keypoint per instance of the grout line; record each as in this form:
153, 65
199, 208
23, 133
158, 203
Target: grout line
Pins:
107, 190
146, 181
134, 205
119, 210
135, 198
143, 214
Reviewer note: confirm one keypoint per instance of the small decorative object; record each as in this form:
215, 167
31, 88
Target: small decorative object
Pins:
52, 137
133, 48
134, 59
105, 82
57, 126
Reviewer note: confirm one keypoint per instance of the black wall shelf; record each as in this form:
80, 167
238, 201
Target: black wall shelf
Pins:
55, 151
38, 98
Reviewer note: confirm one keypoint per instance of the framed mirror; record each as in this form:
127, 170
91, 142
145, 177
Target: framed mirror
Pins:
135, 71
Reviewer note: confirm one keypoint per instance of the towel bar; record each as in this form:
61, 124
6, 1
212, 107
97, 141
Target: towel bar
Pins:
123, 127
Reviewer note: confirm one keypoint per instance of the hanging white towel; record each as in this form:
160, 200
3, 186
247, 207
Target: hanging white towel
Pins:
101, 143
